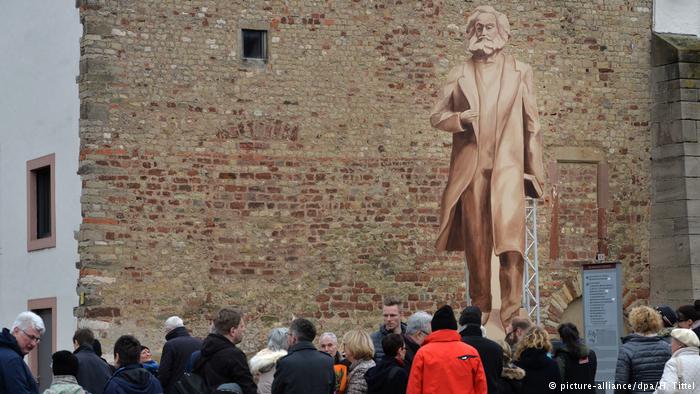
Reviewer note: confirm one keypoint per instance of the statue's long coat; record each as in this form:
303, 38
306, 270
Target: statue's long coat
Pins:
518, 153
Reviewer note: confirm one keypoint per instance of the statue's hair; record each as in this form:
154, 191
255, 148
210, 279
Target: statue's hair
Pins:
501, 21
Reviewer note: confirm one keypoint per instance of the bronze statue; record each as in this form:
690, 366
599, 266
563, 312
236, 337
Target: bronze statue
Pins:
489, 106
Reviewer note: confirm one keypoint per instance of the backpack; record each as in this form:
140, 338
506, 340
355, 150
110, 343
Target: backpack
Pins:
191, 383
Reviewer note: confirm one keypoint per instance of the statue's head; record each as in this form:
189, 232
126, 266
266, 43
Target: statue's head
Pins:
487, 31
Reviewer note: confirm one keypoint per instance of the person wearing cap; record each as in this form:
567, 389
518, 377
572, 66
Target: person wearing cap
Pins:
669, 318
445, 364
177, 350
490, 352
682, 371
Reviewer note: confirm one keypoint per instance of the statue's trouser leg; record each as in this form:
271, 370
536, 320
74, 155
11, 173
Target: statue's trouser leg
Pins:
478, 238
511, 279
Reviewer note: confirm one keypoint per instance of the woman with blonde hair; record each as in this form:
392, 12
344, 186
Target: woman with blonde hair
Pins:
643, 354
359, 350
532, 356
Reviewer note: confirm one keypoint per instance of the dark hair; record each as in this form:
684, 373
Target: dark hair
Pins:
570, 336
64, 362
303, 329
391, 344
390, 301
129, 350
227, 319
84, 336
686, 312
97, 347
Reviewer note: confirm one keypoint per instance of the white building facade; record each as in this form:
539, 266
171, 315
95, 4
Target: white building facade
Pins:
39, 185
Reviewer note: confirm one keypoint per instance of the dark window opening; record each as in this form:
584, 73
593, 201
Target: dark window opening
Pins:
43, 201
254, 44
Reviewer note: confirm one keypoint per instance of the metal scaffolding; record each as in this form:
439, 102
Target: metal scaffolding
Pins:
531, 276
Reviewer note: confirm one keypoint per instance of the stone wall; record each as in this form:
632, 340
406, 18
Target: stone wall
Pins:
675, 235
309, 185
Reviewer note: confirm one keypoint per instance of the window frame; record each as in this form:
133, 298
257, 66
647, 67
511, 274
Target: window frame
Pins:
253, 61
34, 243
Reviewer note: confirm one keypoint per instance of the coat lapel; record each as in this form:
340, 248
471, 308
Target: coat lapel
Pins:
510, 84
467, 82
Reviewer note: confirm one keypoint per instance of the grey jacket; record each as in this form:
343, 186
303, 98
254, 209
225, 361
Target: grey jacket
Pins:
356, 376
640, 362
377, 337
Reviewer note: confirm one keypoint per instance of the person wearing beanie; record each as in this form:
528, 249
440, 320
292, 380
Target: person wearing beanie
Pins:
490, 352
669, 318
445, 364
64, 366
682, 370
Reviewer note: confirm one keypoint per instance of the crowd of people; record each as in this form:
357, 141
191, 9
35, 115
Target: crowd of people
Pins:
435, 353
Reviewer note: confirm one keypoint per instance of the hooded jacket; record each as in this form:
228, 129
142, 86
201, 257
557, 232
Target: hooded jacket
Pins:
388, 377
65, 384
683, 366
577, 366
15, 376
263, 365
176, 353
446, 365
377, 337
511, 379
641, 359
222, 362
132, 379
540, 371
490, 352
93, 372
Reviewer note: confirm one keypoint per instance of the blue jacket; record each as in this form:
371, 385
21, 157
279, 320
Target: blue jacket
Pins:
15, 376
132, 379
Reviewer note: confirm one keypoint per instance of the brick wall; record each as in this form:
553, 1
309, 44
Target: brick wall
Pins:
309, 186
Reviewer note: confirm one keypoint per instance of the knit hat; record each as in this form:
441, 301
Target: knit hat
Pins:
667, 315
470, 315
444, 318
686, 337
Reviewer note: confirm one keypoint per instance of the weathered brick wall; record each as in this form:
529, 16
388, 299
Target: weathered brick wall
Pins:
310, 186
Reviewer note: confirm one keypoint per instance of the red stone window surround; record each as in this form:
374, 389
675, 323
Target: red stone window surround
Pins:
41, 203
35, 305
588, 156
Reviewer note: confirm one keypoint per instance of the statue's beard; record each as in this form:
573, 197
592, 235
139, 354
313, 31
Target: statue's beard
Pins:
485, 46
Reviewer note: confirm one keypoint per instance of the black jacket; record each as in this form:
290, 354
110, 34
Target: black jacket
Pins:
222, 362
304, 370
540, 371
387, 377
93, 372
377, 337
490, 352
577, 366
641, 360
411, 350
176, 353
15, 376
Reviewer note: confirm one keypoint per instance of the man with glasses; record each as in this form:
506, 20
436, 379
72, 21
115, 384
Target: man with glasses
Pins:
15, 343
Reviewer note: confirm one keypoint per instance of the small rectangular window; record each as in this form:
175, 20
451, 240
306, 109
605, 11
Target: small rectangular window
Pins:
254, 44
41, 205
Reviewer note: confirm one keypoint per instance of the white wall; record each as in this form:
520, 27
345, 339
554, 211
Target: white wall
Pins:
677, 16
39, 109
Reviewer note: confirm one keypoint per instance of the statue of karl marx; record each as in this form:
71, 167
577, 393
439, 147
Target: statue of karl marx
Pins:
489, 106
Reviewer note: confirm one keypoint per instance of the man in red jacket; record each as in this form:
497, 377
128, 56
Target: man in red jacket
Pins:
445, 364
